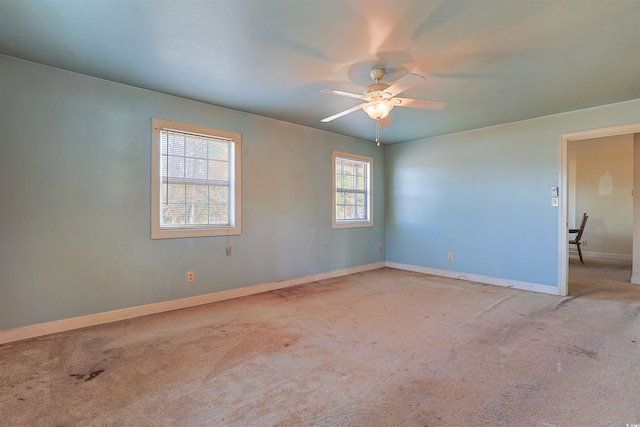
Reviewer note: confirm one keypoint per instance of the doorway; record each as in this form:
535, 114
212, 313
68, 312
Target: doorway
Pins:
563, 220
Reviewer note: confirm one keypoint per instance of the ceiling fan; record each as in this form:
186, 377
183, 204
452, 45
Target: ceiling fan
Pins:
381, 98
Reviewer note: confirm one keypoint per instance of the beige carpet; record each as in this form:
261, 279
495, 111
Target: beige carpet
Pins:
381, 348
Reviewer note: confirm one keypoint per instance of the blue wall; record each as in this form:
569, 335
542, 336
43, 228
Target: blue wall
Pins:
485, 195
75, 158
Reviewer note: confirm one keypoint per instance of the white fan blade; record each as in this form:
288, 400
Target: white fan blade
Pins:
420, 103
408, 81
343, 93
386, 122
343, 113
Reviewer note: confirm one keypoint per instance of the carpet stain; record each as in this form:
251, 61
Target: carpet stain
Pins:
244, 341
577, 350
494, 305
563, 302
89, 376
305, 290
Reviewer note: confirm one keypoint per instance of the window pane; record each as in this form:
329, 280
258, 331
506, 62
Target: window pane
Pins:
176, 144
175, 193
196, 214
172, 214
218, 214
339, 198
347, 182
197, 194
348, 168
360, 199
176, 166
196, 168
360, 185
360, 212
340, 212
196, 147
349, 212
218, 194
349, 198
219, 150
218, 170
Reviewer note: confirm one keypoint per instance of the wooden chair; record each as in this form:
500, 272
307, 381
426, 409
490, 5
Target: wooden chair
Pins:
579, 231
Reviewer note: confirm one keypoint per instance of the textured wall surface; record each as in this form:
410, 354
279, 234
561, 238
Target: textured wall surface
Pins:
75, 158
485, 195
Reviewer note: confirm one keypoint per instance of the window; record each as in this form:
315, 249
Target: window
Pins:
352, 190
196, 181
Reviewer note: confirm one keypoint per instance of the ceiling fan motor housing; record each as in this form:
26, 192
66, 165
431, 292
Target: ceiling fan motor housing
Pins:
377, 74
374, 91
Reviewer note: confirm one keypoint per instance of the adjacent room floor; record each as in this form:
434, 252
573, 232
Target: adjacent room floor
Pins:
380, 348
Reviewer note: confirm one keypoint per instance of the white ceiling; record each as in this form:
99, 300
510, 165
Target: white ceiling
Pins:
492, 61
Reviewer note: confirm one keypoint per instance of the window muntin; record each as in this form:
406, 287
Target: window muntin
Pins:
196, 181
352, 190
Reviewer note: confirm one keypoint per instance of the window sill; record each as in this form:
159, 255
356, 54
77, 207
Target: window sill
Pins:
176, 233
352, 224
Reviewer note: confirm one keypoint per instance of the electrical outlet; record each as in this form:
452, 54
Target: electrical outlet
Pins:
228, 250
191, 277
450, 256
584, 243
380, 249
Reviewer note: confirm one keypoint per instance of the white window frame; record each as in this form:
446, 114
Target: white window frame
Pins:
352, 223
235, 183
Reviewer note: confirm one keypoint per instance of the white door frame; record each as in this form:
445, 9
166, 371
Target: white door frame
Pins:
563, 225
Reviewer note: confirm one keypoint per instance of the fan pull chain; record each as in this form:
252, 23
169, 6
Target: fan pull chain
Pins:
377, 132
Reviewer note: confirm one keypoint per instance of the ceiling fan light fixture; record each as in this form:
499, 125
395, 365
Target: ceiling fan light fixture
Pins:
380, 98
378, 109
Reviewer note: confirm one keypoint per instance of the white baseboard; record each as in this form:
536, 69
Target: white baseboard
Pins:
526, 286
635, 280
32, 331
622, 257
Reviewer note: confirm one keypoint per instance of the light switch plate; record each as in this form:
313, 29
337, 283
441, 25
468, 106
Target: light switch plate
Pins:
554, 201
554, 192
